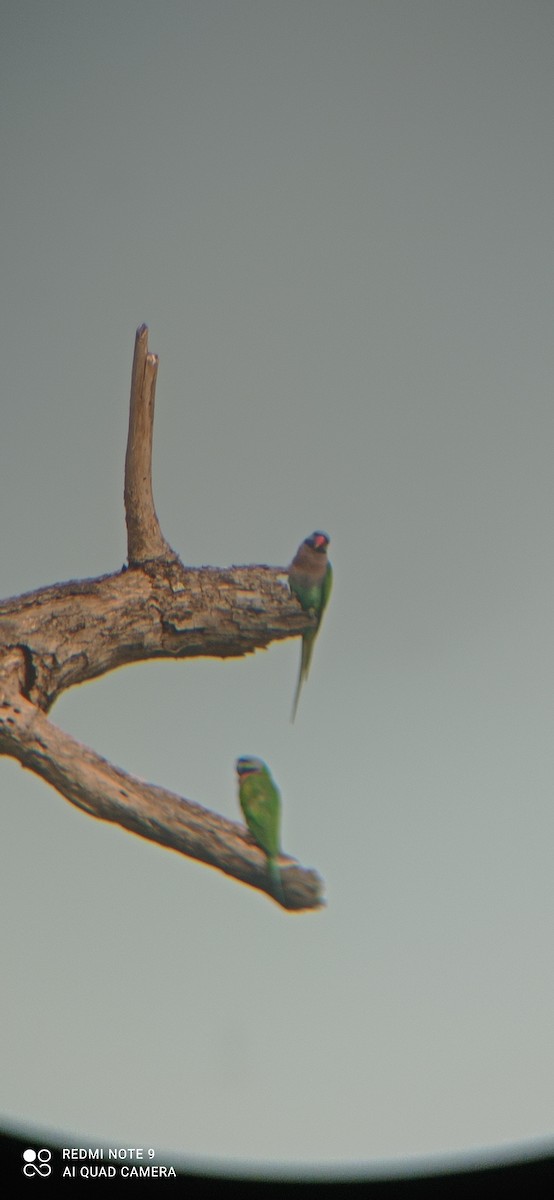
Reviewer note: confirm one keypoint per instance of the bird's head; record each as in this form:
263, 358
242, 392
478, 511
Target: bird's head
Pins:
318, 541
249, 766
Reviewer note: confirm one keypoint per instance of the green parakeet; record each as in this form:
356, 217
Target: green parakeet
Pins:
261, 804
310, 579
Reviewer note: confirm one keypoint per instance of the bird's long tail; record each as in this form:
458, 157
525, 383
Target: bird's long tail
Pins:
275, 877
305, 659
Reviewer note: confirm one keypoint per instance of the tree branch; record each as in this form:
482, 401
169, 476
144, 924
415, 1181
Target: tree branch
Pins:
145, 540
91, 783
81, 629
67, 633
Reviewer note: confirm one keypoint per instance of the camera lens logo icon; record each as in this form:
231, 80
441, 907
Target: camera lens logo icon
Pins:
37, 1162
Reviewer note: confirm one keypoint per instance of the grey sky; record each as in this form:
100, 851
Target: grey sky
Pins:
336, 219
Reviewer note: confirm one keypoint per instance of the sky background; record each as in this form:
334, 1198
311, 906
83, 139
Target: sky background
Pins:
336, 219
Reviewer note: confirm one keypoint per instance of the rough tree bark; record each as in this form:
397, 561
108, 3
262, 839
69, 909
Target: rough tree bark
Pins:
155, 607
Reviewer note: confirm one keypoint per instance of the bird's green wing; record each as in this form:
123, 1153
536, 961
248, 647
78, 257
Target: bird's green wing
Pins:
260, 804
326, 589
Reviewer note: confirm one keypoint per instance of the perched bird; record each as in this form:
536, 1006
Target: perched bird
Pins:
261, 804
310, 579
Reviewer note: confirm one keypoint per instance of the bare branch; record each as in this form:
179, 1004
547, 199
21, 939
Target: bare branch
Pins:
104, 791
81, 629
145, 540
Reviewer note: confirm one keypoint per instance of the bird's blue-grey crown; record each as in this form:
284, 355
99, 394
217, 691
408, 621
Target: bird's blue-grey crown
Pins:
247, 765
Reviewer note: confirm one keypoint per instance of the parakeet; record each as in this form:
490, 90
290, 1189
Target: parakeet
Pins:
261, 804
310, 579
